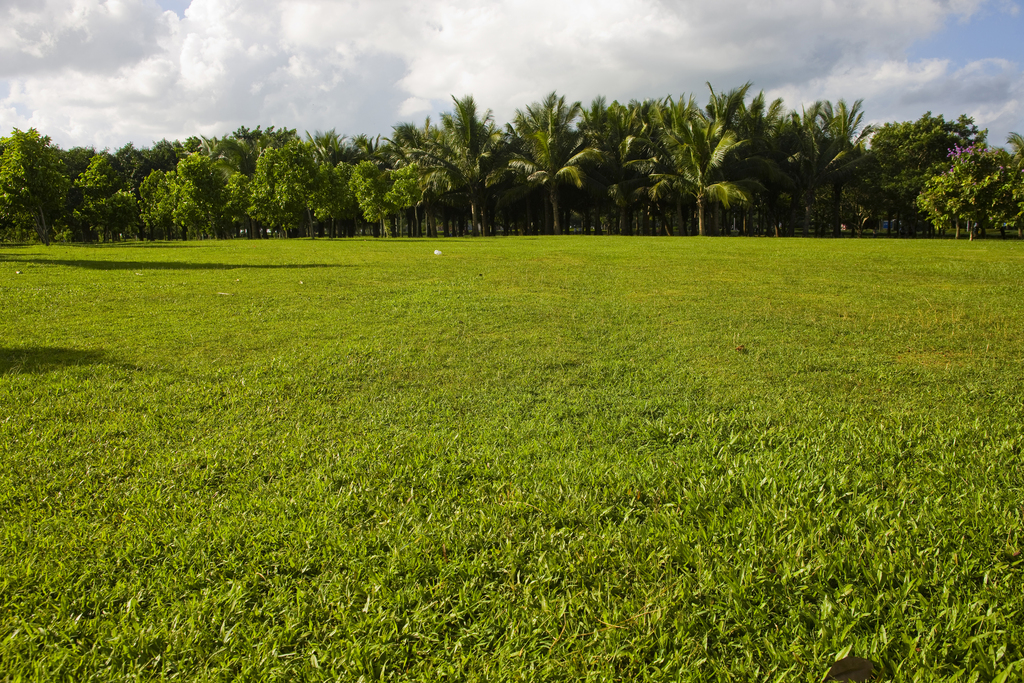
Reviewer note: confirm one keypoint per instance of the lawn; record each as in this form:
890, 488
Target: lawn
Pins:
555, 459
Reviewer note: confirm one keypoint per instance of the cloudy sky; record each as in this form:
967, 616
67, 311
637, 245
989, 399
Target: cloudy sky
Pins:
102, 73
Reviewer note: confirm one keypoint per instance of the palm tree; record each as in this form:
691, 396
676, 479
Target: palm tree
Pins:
656, 162
849, 136
554, 149
238, 155
461, 155
696, 150
762, 124
809, 160
329, 148
619, 133
366, 148
1016, 143
727, 108
829, 144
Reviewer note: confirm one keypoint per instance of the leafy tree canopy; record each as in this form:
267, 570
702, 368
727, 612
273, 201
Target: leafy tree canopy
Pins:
33, 179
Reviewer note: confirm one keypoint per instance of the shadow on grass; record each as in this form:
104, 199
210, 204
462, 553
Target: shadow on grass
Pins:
166, 265
45, 358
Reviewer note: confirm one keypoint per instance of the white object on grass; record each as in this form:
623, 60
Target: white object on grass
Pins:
437, 252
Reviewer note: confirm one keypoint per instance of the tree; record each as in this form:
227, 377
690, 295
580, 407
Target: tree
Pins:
371, 186
618, 132
238, 200
123, 214
331, 149
332, 197
462, 157
32, 179
99, 184
762, 124
697, 150
405, 189
849, 136
977, 188
814, 151
198, 197
157, 204
1016, 143
283, 185
407, 144
906, 155
555, 150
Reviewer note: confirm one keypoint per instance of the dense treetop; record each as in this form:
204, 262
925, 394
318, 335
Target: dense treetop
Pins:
739, 164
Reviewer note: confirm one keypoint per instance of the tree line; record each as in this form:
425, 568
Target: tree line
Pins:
738, 165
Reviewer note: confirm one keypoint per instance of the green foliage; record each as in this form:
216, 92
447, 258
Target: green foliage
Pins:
33, 184
696, 149
283, 185
665, 166
979, 187
238, 199
333, 197
526, 460
554, 150
157, 206
462, 156
908, 154
371, 186
123, 214
106, 206
405, 189
198, 189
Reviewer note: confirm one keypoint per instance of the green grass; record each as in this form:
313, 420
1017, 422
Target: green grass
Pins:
530, 460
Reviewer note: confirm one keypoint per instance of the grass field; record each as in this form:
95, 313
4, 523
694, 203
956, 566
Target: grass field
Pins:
523, 460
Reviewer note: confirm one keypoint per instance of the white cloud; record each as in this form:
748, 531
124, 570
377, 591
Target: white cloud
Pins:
94, 72
414, 105
991, 91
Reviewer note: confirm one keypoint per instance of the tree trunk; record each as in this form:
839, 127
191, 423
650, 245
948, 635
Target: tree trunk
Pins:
42, 228
808, 204
700, 218
837, 201
554, 209
474, 208
666, 224
623, 220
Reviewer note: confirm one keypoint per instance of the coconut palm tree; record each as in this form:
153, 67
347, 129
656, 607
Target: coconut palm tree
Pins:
619, 132
846, 127
1016, 143
761, 124
829, 144
656, 161
329, 148
812, 152
727, 108
238, 155
554, 150
461, 155
696, 150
